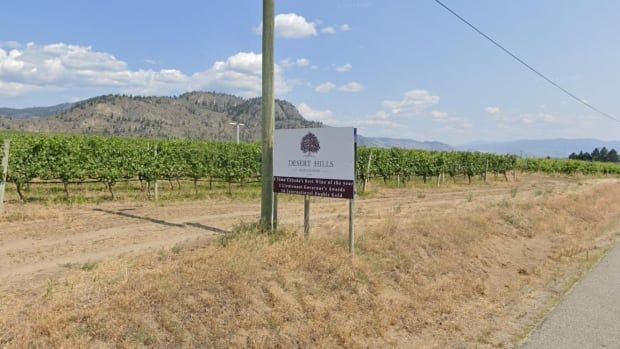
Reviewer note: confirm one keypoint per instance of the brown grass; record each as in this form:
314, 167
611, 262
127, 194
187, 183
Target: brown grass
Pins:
463, 278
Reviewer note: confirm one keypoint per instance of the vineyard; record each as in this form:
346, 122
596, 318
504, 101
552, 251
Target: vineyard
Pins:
70, 159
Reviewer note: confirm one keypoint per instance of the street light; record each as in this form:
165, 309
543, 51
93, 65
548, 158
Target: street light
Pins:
237, 124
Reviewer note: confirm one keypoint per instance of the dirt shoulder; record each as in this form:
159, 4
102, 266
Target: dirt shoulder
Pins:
40, 240
461, 266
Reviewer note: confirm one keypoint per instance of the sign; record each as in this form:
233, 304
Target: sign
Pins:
315, 161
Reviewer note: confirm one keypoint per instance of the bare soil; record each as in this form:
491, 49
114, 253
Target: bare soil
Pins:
49, 238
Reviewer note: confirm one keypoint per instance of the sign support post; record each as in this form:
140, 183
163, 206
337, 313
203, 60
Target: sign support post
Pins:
306, 216
352, 227
352, 200
275, 211
5, 171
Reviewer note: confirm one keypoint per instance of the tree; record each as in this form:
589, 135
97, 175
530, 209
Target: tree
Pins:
603, 154
613, 156
595, 154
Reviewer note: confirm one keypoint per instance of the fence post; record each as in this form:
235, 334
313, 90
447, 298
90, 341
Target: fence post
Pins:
156, 184
367, 172
5, 171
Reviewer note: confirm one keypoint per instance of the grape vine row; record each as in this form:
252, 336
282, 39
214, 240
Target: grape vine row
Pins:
76, 158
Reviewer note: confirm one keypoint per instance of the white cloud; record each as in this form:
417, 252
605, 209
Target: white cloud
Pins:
368, 125
352, 87
287, 63
152, 61
492, 110
436, 114
300, 62
380, 115
61, 66
13, 89
294, 26
241, 73
344, 68
371, 124
291, 26
328, 30
413, 102
530, 118
325, 87
315, 115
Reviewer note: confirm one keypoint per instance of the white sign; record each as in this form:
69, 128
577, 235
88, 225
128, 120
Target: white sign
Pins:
315, 161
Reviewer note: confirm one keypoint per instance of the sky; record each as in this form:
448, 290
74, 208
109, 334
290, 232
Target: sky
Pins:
392, 68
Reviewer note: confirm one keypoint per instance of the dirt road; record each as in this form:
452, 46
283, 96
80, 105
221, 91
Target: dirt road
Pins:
60, 237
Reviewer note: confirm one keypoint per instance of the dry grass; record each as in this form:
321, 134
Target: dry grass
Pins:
470, 278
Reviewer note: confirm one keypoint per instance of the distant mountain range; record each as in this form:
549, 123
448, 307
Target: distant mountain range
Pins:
206, 115
34, 112
402, 143
555, 148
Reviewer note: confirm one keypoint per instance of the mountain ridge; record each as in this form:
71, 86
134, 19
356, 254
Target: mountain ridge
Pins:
206, 115
194, 115
552, 147
25, 113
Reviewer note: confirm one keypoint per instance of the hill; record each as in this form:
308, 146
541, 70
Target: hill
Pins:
194, 115
34, 112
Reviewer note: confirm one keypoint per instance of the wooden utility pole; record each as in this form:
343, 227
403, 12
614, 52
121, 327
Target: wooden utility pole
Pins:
4, 173
268, 114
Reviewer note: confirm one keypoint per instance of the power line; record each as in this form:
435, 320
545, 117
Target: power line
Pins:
570, 94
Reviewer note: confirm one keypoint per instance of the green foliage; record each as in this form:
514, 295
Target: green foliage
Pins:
602, 155
567, 167
75, 159
407, 163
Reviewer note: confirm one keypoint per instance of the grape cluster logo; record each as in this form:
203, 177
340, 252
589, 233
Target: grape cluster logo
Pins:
310, 144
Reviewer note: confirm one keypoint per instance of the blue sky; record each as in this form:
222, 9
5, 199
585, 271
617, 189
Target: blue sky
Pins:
397, 68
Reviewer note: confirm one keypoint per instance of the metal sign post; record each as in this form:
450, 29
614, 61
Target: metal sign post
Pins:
5, 171
306, 216
352, 200
352, 227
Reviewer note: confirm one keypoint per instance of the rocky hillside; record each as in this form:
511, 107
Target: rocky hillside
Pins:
196, 115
